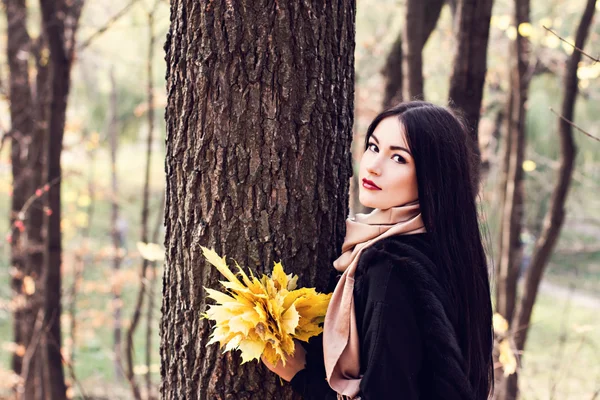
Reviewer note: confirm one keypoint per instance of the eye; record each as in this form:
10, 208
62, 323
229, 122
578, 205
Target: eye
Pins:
373, 147
399, 159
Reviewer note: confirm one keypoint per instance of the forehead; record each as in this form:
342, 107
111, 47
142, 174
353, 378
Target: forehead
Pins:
390, 132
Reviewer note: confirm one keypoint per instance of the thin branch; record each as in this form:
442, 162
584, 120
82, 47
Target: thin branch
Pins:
38, 332
106, 26
575, 126
572, 45
69, 365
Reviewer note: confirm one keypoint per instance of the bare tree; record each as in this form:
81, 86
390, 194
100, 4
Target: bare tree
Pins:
512, 207
60, 21
412, 50
21, 135
392, 71
37, 112
259, 125
555, 216
144, 237
470, 62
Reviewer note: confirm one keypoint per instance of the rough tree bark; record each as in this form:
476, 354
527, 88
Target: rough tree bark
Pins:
60, 20
555, 216
259, 121
470, 62
392, 71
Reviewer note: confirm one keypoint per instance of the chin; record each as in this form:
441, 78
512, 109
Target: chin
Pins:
366, 202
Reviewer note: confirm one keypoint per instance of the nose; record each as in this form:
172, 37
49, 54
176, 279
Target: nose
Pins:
374, 166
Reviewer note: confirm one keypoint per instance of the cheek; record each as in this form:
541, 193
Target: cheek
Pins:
362, 164
406, 181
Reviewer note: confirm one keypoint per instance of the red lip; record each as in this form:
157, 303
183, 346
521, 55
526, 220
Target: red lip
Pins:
367, 184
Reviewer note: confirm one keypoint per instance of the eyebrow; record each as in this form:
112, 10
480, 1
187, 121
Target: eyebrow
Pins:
392, 147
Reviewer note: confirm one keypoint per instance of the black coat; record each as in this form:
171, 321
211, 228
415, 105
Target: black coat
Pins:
408, 348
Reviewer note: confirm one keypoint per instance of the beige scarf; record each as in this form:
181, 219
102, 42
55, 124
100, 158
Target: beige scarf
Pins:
340, 336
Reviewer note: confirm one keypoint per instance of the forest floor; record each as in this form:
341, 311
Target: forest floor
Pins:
584, 298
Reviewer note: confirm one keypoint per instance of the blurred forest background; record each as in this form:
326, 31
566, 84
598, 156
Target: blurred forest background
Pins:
113, 181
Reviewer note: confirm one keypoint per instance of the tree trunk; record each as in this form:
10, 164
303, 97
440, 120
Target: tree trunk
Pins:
59, 23
21, 131
505, 146
259, 125
512, 191
556, 213
392, 73
412, 49
35, 213
28, 111
512, 214
470, 63
392, 70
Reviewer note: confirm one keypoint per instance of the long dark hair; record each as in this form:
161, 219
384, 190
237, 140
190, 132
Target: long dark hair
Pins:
443, 154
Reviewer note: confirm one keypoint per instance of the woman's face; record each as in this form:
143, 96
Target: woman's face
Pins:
387, 175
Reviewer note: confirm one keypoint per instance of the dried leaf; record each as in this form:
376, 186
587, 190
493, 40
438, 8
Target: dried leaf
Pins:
507, 358
151, 251
500, 324
28, 285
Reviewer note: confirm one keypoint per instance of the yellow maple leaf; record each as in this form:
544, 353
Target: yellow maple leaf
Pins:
289, 320
213, 258
280, 279
500, 324
262, 317
507, 358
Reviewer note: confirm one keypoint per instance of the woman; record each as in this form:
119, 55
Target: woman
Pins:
411, 315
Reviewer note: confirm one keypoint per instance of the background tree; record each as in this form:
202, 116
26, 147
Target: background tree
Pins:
60, 21
392, 72
258, 163
412, 50
554, 218
145, 286
38, 110
470, 61
22, 133
512, 181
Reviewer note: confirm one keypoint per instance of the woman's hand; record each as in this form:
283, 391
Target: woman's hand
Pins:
293, 364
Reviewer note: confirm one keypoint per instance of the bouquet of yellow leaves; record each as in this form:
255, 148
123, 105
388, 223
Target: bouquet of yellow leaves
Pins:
263, 316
